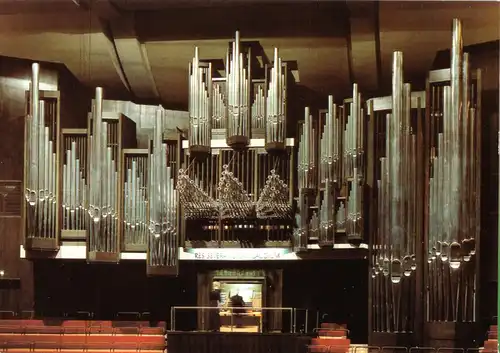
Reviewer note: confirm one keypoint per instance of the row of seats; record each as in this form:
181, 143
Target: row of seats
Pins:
491, 344
81, 327
80, 315
332, 338
61, 336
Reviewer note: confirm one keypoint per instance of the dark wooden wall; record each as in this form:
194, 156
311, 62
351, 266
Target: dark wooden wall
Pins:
14, 81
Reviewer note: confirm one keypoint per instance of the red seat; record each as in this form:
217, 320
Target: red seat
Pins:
332, 333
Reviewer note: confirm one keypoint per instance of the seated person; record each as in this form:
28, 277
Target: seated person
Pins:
237, 302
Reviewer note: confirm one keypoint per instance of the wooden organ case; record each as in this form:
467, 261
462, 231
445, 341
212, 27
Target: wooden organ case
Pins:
236, 177
108, 135
41, 202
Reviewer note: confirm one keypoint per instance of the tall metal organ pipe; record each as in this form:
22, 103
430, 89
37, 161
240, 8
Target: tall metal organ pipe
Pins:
454, 195
162, 242
103, 183
276, 101
238, 97
41, 167
200, 105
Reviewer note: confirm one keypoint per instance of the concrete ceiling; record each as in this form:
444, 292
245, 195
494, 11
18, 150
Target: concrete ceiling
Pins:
141, 49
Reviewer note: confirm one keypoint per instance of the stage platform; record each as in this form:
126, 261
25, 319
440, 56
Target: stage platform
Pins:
223, 342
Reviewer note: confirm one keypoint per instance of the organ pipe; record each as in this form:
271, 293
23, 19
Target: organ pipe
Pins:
200, 105
102, 191
394, 249
163, 247
41, 171
307, 181
329, 170
74, 184
454, 190
135, 200
276, 106
238, 97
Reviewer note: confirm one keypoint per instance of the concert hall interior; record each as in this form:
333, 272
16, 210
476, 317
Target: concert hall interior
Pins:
249, 176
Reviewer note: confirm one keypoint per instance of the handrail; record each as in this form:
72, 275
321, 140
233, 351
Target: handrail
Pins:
230, 308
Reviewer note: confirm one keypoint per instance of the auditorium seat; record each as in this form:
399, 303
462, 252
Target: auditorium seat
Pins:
491, 344
26, 335
332, 338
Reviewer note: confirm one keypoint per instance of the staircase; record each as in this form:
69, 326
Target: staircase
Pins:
78, 335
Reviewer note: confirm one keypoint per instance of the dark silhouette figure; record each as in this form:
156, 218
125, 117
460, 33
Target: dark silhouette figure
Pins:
238, 302
214, 316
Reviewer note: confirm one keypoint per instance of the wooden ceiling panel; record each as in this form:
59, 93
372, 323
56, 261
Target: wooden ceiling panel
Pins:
420, 29
322, 63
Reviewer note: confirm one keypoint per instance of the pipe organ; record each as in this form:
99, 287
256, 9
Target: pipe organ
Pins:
354, 165
404, 170
276, 105
135, 199
74, 179
41, 167
238, 84
163, 245
425, 232
398, 211
200, 105
453, 190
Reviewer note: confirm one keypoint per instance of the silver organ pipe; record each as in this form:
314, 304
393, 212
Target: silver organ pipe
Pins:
276, 106
103, 182
163, 245
74, 184
354, 165
399, 215
454, 191
259, 111
219, 110
41, 171
307, 181
354, 137
329, 170
135, 222
200, 105
238, 97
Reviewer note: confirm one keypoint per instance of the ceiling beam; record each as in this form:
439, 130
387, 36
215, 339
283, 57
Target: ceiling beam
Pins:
133, 57
364, 50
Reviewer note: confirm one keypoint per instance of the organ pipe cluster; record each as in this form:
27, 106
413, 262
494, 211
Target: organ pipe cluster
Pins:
237, 107
394, 261
200, 105
354, 136
259, 110
454, 190
276, 106
41, 169
307, 180
135, 199
162, 241
103, 185
330, 173
238, 97
74, 190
